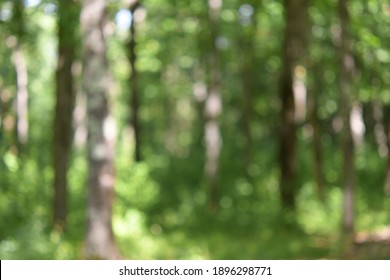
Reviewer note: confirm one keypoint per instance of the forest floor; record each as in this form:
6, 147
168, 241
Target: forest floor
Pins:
372, 245
265, 244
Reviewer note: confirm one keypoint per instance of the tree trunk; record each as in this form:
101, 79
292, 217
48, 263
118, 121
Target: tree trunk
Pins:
346, 70
386, 124
68, 16
248, 80
133, 81
19, 61
213, 107
99, 242
293, 48
377, 122
21, 95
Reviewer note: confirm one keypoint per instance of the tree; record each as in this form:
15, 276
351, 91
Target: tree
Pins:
213, 106
68, 15
248, 75
293, 48
133, 81
347, 65
386, 122
99, 242
19, 61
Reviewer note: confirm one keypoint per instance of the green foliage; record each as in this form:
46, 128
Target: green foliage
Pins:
135, 188
161, 204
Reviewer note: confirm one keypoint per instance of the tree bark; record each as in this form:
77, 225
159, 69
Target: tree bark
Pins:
133, 81
213, 107
293, 48
346, 71
248, 81
21, 95
68, 15
386, 124
19, 61
99, 242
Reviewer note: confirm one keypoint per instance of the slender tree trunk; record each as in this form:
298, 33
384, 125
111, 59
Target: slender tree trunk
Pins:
248, 81
213, 108
386, 121
295, 19
21, 95
68, 16
377, 122
99, 242
19, 61
346, 70
287, 145
133, 81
